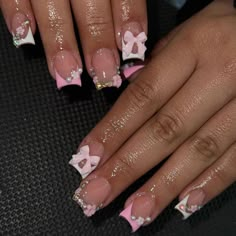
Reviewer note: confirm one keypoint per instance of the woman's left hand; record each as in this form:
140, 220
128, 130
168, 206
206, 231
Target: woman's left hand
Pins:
182, 105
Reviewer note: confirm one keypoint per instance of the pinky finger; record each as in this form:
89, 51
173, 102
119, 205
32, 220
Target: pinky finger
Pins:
209, 184
20, 21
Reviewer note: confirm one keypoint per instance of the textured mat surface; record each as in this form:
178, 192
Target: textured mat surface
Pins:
39, 130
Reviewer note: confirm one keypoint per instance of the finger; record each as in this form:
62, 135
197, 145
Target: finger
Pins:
209, 184
20, 21
131, 27
56, 29
141, 99
163, 134
95, 23
131, 69
186, 164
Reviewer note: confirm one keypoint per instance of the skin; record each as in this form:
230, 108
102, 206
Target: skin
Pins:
99, 24
182, 105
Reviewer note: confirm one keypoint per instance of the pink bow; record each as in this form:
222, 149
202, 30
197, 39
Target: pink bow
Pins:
130, 40
91, 162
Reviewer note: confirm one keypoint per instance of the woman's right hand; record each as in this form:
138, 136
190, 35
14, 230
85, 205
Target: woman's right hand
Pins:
103, 26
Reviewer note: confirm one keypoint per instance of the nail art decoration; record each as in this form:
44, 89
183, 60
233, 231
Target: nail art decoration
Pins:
135, 222
89, 210
73, 79
18, 39
128, 43
83, 162
115, 82
185, 209
92, 194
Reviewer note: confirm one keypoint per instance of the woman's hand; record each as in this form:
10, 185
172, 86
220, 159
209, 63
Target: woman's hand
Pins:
104, 27
182, 105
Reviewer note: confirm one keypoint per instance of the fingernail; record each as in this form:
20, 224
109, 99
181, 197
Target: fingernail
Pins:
84, 162
133, 41
140, 211
130, 69
21, 31
191, 203
105, 71
67, 70
92, 194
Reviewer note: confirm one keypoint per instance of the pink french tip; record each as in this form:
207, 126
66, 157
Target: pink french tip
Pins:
131, 70
61, 82
126, 214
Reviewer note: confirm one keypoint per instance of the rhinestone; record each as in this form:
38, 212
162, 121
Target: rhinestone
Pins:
148, 219
68, 79
80, 70
133, 218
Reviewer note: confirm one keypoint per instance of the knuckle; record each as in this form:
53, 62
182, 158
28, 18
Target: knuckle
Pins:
166, 128
141, 94
97, 25
206, 147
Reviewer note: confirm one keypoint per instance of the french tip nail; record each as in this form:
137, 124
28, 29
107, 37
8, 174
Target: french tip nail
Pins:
105, 71
88, 162
126, 214
191, 203
128, 72
69, 81
29, 39
133, 41
92, 194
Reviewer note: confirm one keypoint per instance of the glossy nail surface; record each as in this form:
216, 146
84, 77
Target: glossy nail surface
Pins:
133, 41
84, 162
92, 194
21, 30
191, 203
140, 211
67, 70
105, 71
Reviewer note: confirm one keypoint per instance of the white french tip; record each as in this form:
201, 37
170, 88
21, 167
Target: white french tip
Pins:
29, 39
131, 55
181, 207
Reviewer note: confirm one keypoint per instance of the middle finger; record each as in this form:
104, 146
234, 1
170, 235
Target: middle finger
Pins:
95, 25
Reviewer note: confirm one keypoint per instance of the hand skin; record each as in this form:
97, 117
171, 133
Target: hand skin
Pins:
182, 105
103, 26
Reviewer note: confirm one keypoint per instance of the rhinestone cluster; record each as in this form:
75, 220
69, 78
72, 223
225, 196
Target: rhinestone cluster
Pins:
100, 85
88, 209
140, 220
19, 33
75, 74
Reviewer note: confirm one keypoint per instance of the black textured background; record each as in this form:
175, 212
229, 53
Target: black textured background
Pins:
41, 127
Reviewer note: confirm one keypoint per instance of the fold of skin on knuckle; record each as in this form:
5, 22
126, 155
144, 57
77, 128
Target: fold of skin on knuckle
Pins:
166, 128
142, 94
205, 148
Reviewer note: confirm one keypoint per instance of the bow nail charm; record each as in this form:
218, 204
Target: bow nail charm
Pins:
129, 42
83, 162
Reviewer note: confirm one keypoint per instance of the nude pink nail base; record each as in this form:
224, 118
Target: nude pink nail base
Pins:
88, 209
74, 79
